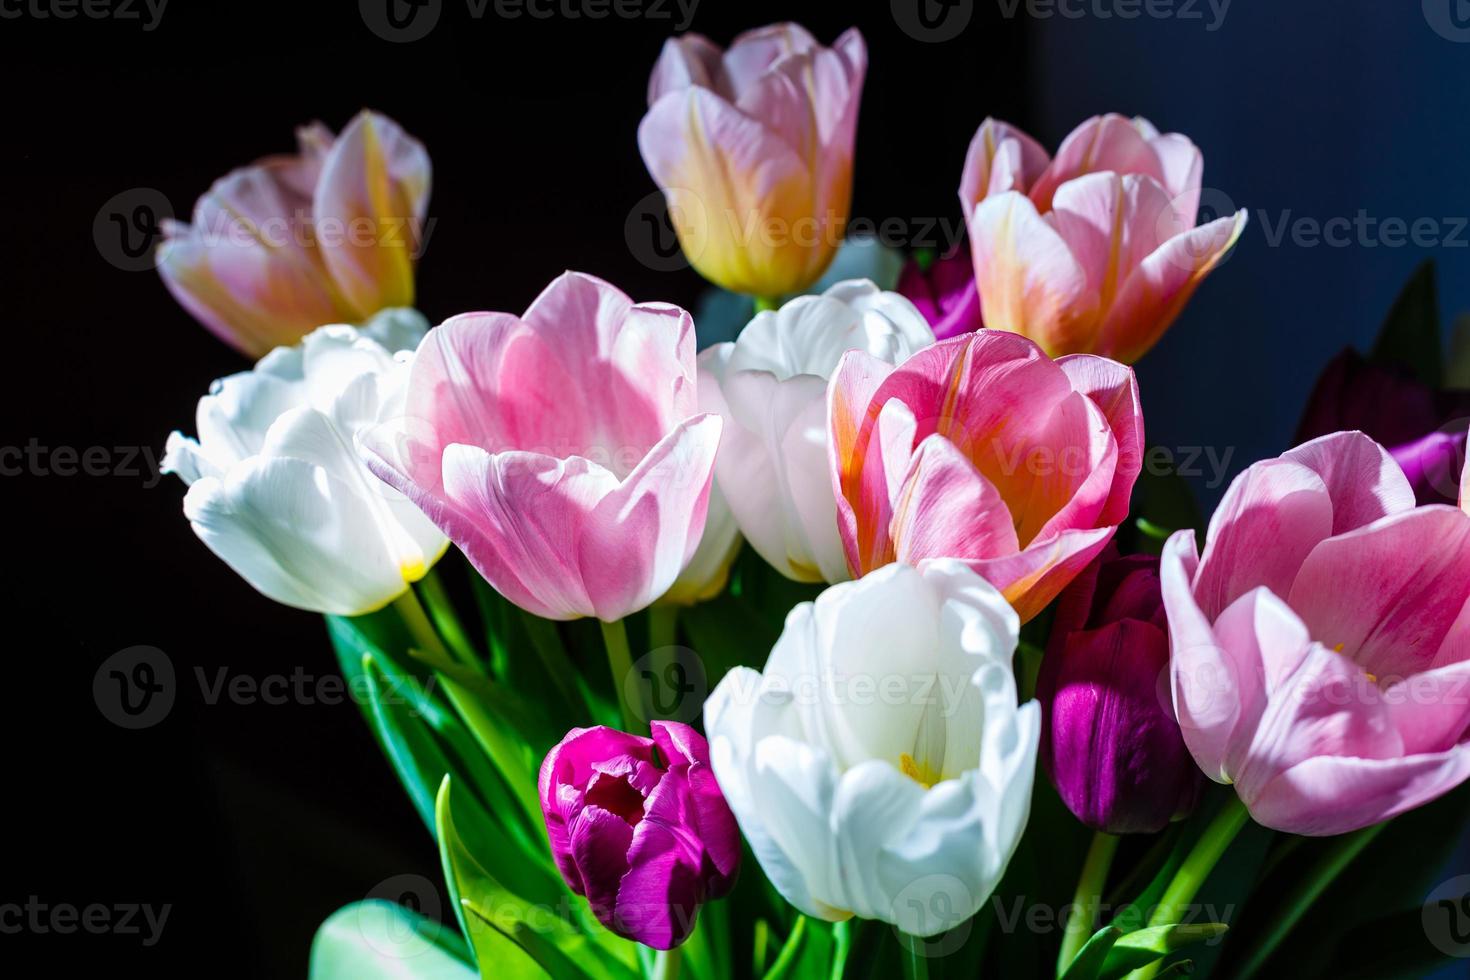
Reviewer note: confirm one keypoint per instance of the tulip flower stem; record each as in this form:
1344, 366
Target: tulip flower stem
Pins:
546, 641
1306, 893
1088, 898
620, 662
764, 303
1196, 868
663, 626
666, 964
915, 960
441, 612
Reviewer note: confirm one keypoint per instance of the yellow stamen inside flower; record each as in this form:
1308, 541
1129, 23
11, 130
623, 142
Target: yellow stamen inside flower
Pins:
924, 776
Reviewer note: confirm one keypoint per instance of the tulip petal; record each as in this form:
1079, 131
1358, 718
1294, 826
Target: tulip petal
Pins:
1432, 710
637, 538
863, 509
1029, 280
1361, 477
1271, 518
368, 212
1107, 142
1114, 388
1326, 795
1111, 223
947, 509
600, 842
1033, 577
1157, 289
1000, 158
1387, 595
686, 60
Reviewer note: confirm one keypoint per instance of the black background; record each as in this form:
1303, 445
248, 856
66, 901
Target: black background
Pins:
254, 821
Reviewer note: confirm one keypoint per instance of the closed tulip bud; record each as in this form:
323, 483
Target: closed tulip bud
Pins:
639, 827
1109, 741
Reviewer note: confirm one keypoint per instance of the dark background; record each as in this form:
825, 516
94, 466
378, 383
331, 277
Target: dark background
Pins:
255, 821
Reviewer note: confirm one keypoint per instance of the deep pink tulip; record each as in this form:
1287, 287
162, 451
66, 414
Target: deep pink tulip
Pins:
1097, 250
1109, 741
561, 450
1321, 644
983, 448
291, 243
639, 826
945, 293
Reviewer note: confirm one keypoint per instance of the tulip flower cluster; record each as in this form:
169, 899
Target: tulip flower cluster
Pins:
936, 484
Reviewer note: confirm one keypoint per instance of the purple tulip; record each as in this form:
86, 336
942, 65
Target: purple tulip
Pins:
945, 293
1109, 741
1422, 428
639, 827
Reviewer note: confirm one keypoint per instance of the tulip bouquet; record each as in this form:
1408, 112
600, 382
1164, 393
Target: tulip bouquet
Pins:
646, 750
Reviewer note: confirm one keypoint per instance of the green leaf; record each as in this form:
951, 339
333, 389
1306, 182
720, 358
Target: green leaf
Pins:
1088, 962
1139, 949
556, 935
378, 940
1410, 336
807, 952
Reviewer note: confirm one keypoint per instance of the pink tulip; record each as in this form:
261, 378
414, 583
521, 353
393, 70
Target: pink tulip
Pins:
752, 147
983, 448
561, 450
1321, 644
290, 243
1097, 250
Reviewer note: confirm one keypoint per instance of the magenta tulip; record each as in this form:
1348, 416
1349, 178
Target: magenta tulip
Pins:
1109, 740
291, 243
561, 450
983, 448
944, 293
639, 827
1097, 250
1321, 643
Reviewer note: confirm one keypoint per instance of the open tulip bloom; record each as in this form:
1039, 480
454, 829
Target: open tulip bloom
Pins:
950, 583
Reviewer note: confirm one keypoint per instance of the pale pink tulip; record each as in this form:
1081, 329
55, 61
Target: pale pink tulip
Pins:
983, 448
1321, 644
1097, 250
752, 147
561, 450
287, 244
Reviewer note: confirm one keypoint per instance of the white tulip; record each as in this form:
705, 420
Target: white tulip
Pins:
709, 570
276, 487
770, 387
880, 766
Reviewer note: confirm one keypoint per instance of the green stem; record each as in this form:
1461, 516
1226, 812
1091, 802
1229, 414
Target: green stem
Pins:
663, 626
1087, 899
1345, 849
504, 751
764, 303
441, 611
666, 964
915, 963
546, 640
620, 662
842, 946
1197, 866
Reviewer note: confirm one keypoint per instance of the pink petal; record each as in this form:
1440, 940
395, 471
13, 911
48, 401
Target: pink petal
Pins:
715, 825
1328, 795
658, 899
1183, 167
1158, 287
1387, 595
753, 53
1033, 577
947, 509
1029, 280
638, 537
1111, 223
521, 519
1431, 710
1271, 518
600, 847
1108, 142
368, 212
862, 494
689, 59
1001, 158
1361, 477
1114, 388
